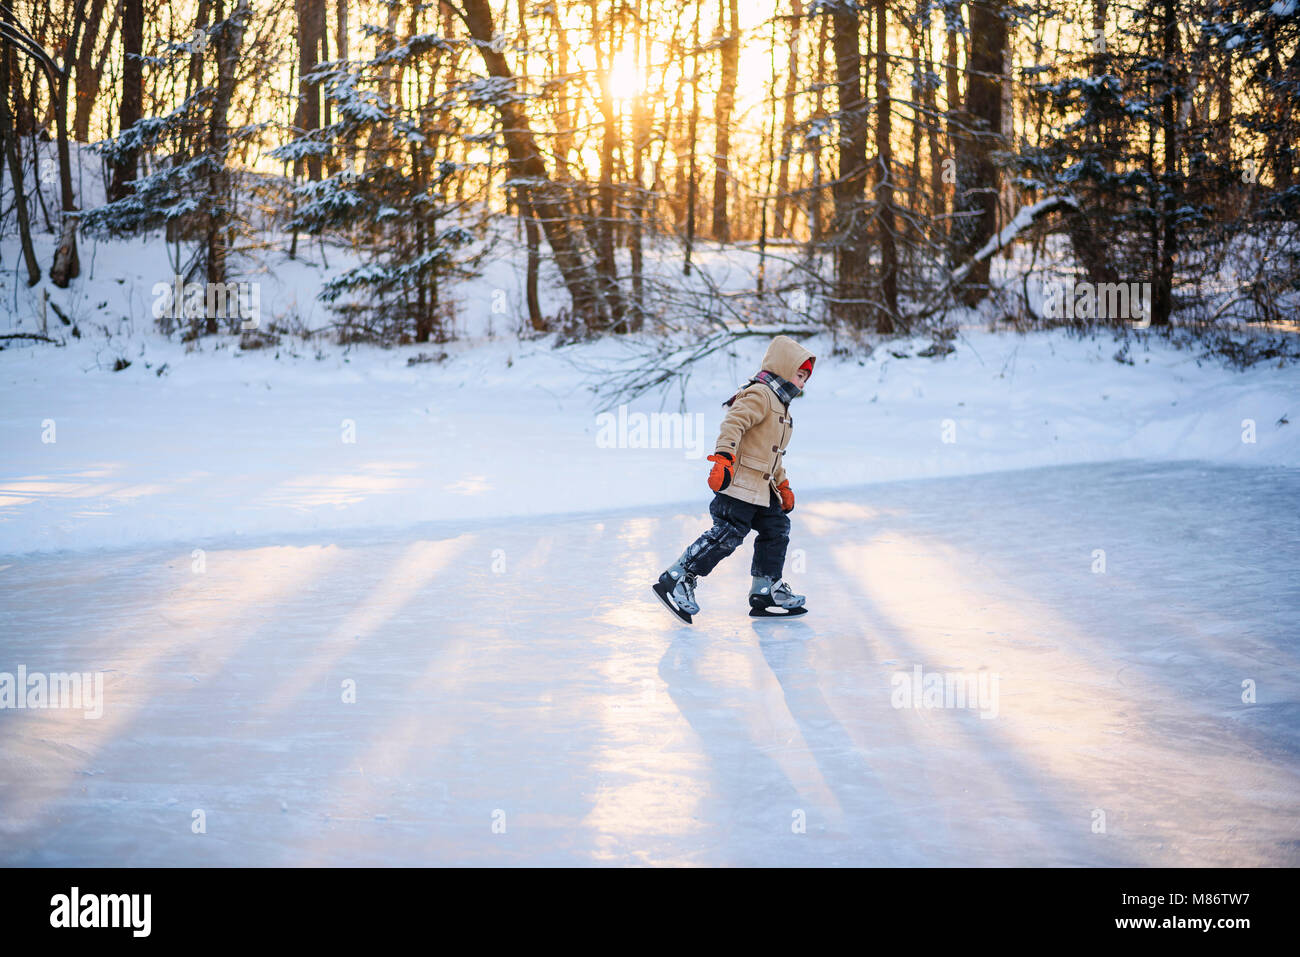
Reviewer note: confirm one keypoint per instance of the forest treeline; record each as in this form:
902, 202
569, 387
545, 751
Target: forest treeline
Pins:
877, 155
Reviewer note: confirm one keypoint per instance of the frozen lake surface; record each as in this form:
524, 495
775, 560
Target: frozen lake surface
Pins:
521, 698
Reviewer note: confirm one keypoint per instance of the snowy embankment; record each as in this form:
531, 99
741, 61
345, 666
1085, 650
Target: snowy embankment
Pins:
268, 444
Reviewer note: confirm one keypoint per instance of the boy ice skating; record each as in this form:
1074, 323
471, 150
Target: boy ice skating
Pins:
751, 491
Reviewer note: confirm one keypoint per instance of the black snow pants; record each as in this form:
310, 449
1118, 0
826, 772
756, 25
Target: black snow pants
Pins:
732, 521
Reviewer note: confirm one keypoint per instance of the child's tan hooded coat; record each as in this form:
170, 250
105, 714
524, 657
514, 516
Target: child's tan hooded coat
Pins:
757, 427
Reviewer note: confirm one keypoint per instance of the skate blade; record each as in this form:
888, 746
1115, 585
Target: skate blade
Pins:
662, 594
776, 611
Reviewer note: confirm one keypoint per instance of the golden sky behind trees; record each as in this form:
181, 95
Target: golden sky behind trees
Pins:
889, 136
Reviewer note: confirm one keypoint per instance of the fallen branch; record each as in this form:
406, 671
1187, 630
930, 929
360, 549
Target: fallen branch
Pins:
648, 368
1026, 217
29, 335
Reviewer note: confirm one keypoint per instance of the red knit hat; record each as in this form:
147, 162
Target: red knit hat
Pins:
807, 366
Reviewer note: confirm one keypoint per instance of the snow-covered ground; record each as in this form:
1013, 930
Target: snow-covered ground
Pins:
521, 699
253, 446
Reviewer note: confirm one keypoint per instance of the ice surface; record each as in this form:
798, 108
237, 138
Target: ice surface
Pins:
521, 673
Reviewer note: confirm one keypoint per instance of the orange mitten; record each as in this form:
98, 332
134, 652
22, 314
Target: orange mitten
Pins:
787, 496
720, 477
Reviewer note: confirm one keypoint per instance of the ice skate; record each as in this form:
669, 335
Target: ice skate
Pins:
676, 589
774, 599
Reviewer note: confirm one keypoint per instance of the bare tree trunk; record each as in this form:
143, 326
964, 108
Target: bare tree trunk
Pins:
1278, 147
771, 169
914, 190
692, 186
547, 199
87, 87
67, 265
106, 49
852, 301
640, 143
563, 116
1223, 113
606, 264
938, 200
124, 171
532, 232
953, 25
979, 136
788, 121
311, 50
533, 269
885, 317
1162, 305
816, 224
227, 39
675, 138
9, 134
723, 106
194, 76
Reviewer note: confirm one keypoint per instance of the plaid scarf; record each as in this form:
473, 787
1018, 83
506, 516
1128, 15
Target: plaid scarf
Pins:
785, 392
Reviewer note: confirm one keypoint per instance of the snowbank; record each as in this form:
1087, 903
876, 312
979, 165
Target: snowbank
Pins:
222, 444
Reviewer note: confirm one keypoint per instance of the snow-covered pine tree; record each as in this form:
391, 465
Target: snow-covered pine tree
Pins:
185, 185
1257, 134
1149, 144
1099, 151
387, 195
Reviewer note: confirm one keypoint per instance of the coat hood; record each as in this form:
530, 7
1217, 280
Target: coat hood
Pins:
784, 356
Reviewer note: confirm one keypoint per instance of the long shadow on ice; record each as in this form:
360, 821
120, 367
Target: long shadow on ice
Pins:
751, 801
876, 827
